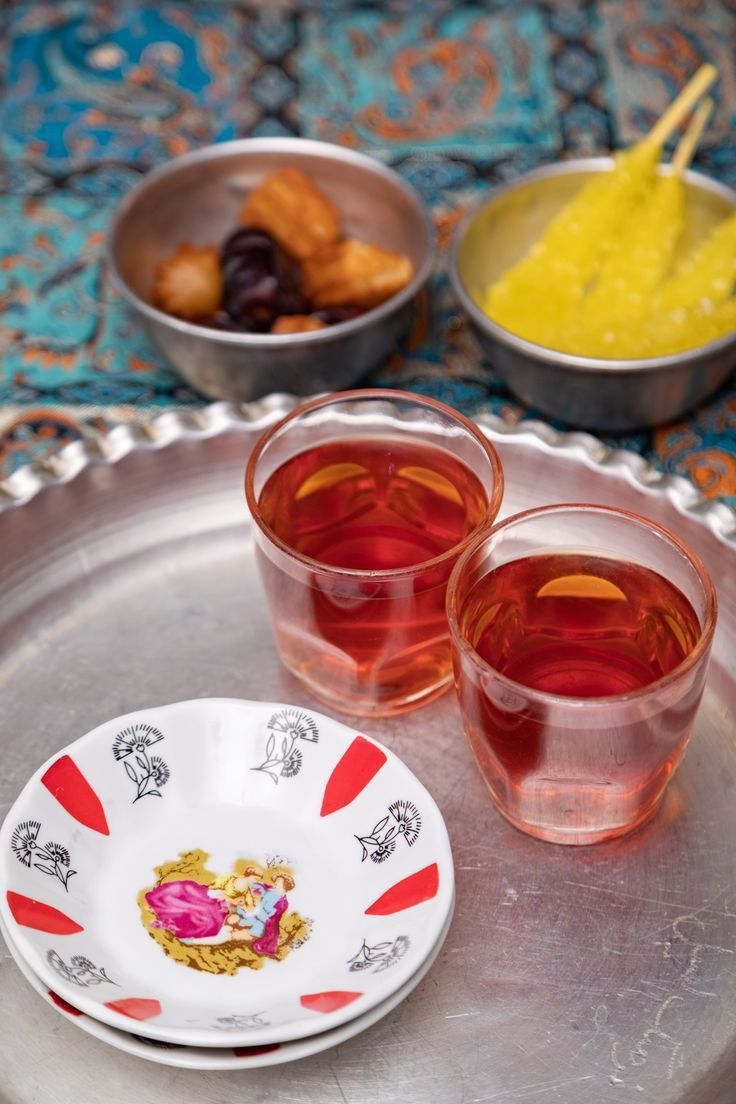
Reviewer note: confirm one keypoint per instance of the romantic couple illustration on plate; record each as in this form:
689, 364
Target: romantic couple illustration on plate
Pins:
235, 908
221, 922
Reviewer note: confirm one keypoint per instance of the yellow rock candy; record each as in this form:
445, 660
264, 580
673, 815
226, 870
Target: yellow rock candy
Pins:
707, 275
632, 272
600, 283
546, 287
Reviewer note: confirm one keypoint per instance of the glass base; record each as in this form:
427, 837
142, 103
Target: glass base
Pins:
360, 707
578, 837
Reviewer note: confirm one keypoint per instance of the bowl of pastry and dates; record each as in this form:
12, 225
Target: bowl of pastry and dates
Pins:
272, 264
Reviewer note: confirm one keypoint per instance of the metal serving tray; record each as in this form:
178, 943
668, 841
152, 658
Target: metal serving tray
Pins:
570, 976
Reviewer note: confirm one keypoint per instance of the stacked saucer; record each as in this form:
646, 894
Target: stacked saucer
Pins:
222, 884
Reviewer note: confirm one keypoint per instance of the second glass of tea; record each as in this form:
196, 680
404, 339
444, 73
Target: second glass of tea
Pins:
581, 637
363, 501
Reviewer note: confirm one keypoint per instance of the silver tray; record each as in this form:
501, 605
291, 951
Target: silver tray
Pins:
570, 976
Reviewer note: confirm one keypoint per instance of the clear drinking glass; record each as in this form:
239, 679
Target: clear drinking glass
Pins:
581, 706
363, 501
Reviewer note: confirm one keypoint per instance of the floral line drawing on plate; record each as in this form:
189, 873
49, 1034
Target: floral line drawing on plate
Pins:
236, 1023
285, 729
219, 923
55, 858
402, 820
380, 956
80, 970
150, 772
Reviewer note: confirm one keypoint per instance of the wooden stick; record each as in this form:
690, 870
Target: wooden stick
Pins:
688, 143
682, 105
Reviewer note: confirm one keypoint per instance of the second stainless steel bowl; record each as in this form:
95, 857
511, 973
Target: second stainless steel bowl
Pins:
197, 198
583, 391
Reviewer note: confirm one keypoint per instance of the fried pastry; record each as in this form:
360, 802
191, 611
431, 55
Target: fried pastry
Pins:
289, 206
296, 323
189, 283
351, 272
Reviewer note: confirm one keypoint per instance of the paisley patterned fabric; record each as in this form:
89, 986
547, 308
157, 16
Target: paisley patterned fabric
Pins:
457, 96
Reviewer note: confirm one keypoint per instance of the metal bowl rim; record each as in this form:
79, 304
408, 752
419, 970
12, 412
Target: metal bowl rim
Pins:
544, 353
223, 150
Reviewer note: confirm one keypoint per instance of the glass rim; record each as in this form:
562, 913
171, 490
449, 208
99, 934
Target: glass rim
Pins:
375, 393
543, 696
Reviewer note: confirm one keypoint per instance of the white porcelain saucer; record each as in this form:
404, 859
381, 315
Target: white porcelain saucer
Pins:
225, 862
224, 1058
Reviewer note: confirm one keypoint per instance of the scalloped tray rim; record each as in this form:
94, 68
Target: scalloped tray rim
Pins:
218, 417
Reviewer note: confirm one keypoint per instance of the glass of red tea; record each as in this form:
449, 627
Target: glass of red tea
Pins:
363, 501
581, 639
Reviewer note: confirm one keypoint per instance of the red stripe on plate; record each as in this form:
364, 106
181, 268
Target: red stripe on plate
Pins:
136, 1008
328, 1002
64, 1005
30, 913
359, 764
251, 1051
67, 784
418, 887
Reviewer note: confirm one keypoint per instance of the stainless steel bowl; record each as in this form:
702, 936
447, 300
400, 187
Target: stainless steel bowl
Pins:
583, 391
197, 198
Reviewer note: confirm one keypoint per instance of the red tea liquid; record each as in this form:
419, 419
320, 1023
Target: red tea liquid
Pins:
578, 627
360, 505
